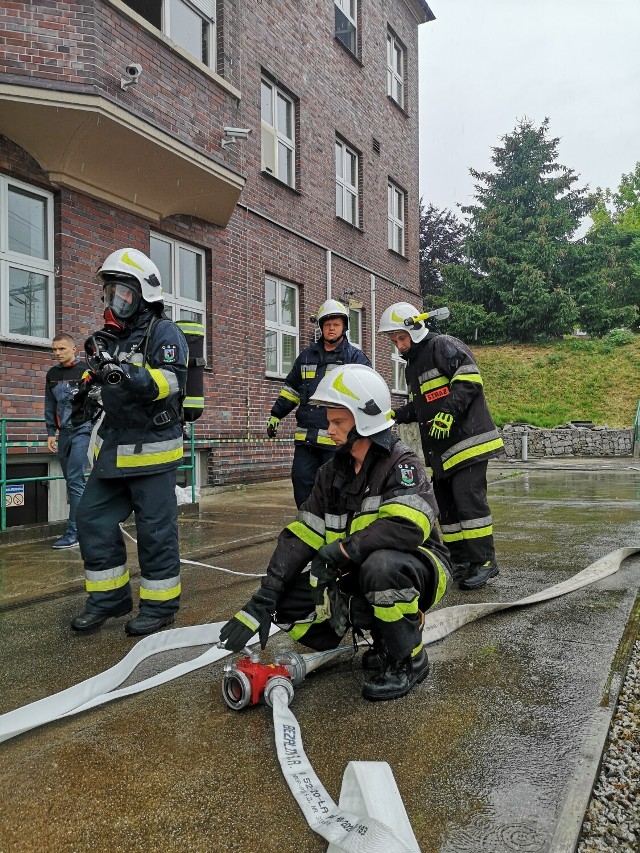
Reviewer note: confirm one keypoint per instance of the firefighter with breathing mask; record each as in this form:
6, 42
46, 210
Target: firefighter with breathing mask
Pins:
369, 530
458, 436
139, 362
313, 447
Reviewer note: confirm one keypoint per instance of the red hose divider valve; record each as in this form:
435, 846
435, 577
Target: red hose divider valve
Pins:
247, 682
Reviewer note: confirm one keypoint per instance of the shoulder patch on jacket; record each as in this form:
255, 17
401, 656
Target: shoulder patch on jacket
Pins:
169, 353
406, 474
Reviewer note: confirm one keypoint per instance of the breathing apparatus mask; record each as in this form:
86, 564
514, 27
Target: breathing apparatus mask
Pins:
122, 301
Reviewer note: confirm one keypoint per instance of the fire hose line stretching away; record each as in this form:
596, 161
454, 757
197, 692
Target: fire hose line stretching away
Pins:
345, 831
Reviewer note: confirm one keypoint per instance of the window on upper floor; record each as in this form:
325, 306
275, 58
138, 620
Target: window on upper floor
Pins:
189, 23
395, 217
355, 326
182, 273
26, 263
347, 165
281, 326
278, 133
396, 53
346, 28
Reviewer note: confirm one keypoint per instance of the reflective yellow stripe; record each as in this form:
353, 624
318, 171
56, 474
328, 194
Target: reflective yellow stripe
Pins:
140, 460
439, 382
478, 532
310, 537
106, 585
287, 396
468, 377
397, 611
297, 631
452, 537
470, 452
442, 575
402, 511
328, 441
332, 536
193, 403
362, 521
160, 594
160, 380
247, 620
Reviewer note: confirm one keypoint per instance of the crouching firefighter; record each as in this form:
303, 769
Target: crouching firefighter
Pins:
139, 362
369, 531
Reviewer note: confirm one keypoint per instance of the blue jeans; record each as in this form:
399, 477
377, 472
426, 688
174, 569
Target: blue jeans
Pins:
72, 453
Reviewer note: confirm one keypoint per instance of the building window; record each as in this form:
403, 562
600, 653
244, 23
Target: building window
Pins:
182, 272
355, 326
346, 183
278, 133
346, 23
395, 69
397, 369
281, 326
26, 263
189, 23
395, 217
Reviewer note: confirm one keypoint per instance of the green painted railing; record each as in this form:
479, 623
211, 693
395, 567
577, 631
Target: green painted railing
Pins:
5, 444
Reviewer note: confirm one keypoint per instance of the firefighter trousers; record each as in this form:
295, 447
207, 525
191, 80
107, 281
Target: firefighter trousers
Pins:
465, 517
104, 505
306, 461
385, 594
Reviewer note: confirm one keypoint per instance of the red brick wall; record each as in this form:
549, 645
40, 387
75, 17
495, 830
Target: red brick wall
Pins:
84, 46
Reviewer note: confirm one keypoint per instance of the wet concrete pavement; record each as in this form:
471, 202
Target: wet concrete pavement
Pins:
495, 751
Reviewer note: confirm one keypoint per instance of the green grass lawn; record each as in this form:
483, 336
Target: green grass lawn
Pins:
569, 380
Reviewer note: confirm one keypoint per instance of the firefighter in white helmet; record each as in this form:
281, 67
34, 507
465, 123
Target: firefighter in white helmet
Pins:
369, 530
313, 446
139, 362
458, 436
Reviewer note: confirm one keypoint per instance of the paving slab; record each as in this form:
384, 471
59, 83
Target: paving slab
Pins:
494, 752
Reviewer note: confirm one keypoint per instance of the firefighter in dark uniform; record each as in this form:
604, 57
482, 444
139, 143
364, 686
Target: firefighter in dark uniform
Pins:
458, 436
313, 447
139, 360
369, 530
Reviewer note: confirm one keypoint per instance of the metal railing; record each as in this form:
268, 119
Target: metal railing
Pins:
636, 432
5, 444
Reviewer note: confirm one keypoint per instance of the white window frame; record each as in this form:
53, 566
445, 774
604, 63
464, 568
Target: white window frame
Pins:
274, 138
357, 312
279, 327
396, 55
344, 187
205, 9
173, 302
398, 382
349, 8
18, 260
395, 218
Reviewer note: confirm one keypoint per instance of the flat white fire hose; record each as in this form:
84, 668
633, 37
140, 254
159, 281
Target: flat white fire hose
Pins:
367, 786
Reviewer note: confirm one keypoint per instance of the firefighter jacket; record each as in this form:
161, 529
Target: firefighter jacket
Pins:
442, 376
388, 504
62, 384
141, 432
303, 379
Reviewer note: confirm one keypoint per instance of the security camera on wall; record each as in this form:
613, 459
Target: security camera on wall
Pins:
132, 75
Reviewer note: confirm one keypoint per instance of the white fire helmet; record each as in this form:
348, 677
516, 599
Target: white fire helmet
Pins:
362, 391
393, 318
132, 263
332, 308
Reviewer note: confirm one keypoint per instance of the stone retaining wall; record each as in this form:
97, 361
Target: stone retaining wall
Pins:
577, 441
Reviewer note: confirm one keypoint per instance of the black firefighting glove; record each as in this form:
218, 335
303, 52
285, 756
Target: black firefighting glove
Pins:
272, 426
327, 562
441, 425
254, 616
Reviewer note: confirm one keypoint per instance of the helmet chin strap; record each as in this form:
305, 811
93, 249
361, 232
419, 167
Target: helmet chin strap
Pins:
352, 437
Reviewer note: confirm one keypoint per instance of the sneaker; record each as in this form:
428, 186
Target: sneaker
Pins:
480, 574
397, 678
67, 540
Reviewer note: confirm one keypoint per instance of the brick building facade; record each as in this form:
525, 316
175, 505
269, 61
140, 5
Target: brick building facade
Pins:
252, 231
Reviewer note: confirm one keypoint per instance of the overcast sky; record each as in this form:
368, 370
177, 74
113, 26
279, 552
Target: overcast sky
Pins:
484, 64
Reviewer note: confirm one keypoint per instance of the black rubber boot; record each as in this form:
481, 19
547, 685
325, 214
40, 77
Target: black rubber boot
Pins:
480, 574
87, 621
397, 678
460, 571
373, 659
142, 625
